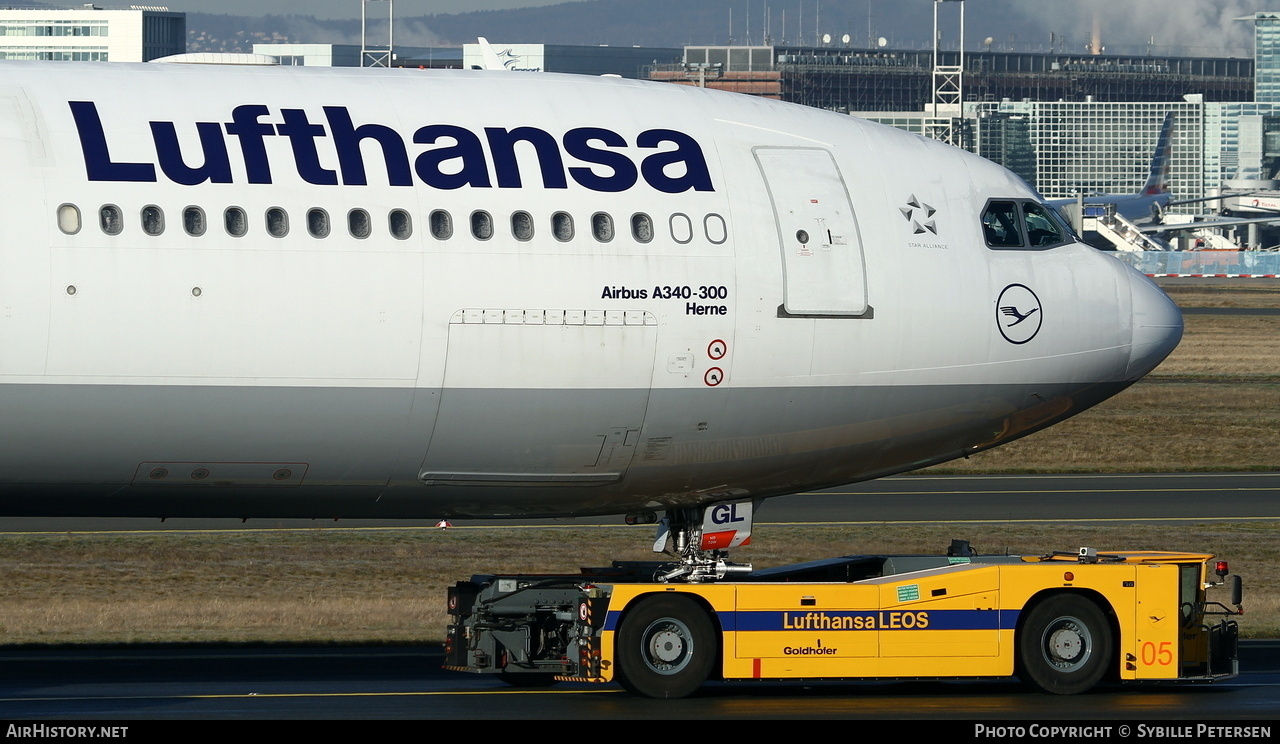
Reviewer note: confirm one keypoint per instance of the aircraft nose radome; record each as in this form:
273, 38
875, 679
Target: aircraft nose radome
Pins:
1157, 326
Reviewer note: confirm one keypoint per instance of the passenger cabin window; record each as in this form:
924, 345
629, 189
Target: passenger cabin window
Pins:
641, 227
111, 219
441, 225
277, 222
522, 226
1023, 224
152, 220
715, 228
69, 219
400, 223
602, 227
236, 221
562, 226
318, 223
681, 228
481, 225
193, 221
359, 224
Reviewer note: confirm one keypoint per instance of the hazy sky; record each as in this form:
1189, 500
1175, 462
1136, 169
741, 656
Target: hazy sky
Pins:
343, 8
1196, 27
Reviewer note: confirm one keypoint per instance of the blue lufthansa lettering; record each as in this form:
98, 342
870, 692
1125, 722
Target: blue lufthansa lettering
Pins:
347, 138
302, 136
216, 167
93, 143
245, 126
655, 166
472, 171
457, 157
577, 142
502, 143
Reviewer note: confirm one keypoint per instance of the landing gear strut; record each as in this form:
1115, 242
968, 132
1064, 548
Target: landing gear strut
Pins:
695, 537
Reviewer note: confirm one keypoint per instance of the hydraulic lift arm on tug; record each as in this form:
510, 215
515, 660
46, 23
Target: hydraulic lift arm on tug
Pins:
1061, 622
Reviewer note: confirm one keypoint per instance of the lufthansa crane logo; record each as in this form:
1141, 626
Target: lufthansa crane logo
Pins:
1018, 314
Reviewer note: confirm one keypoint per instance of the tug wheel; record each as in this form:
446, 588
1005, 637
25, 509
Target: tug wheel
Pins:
1064, 647
666, 647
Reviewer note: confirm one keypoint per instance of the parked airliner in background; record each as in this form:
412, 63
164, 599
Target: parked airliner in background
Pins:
1146, 208
289, 292
1151, 200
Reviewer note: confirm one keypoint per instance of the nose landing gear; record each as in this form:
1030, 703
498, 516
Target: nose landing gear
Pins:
696, 537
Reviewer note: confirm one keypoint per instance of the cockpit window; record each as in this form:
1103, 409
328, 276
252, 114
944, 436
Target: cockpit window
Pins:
1000, 225
1042, 229
1022, 223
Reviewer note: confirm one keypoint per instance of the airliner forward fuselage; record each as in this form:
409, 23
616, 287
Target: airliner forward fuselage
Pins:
281, 292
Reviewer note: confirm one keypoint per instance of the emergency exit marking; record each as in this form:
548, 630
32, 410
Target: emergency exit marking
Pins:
717, 349
714, 376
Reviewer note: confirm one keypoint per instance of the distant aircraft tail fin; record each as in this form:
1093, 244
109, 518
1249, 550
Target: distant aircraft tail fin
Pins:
491, 59
1158, 178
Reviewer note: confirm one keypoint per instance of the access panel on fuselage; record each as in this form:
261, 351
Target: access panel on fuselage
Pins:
822, 263
541, 397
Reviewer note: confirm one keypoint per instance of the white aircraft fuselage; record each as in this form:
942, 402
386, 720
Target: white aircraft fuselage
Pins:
284, 292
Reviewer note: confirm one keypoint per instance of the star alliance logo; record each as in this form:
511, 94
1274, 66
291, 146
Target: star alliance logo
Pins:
909, 212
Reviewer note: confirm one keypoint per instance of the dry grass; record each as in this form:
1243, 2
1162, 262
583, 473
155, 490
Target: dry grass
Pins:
1246, 346
388, 586
1241, 293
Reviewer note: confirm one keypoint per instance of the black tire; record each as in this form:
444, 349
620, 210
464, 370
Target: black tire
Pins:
527, 679
1065, 645
666, 647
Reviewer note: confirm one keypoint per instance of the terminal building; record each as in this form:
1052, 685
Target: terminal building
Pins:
848, 80
1068, 123
627, 62
312, 55
92, 34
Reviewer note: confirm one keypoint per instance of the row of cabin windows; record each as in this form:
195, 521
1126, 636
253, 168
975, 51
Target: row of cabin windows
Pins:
399, 223
236, 221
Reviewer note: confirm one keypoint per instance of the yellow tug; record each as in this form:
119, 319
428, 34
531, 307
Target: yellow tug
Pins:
1061, 622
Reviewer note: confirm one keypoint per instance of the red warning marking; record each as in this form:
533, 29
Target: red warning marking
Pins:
714, 376
713, 540
717, 349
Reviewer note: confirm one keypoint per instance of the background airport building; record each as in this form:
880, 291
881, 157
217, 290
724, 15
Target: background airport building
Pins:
312, 55
847, 80
624, 61
92, 34
1067, 123
1065, 147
